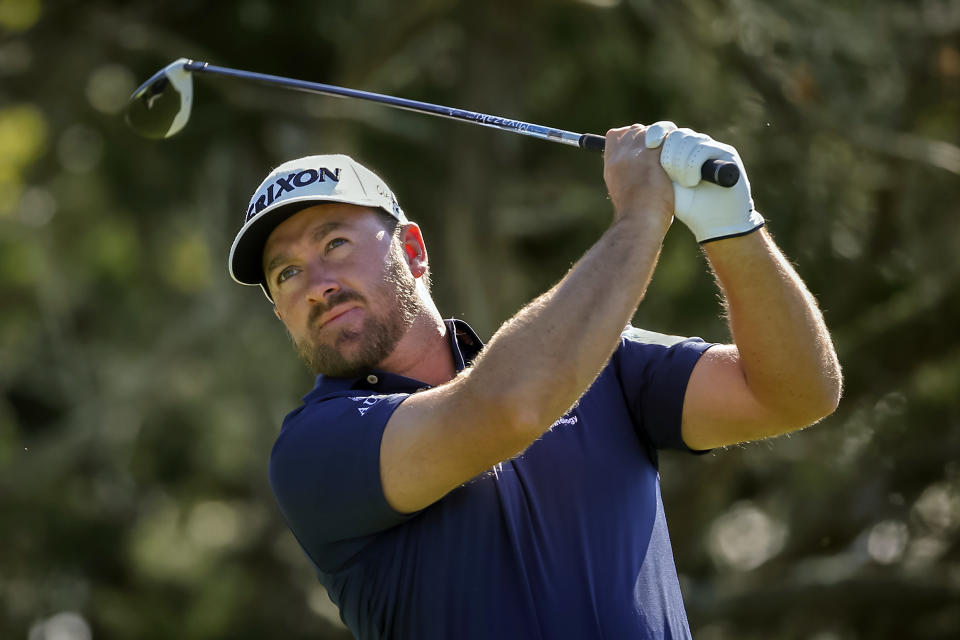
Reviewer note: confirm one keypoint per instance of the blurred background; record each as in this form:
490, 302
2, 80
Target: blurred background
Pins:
141, 389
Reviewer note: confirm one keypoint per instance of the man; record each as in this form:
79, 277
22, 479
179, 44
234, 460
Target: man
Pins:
444, 489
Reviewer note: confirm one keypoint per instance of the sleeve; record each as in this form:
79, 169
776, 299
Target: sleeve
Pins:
325, 468
654, 370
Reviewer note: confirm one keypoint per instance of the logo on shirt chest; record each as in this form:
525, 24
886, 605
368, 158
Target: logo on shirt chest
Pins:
567, 419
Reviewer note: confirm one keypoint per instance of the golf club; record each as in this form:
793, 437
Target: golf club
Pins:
160, 107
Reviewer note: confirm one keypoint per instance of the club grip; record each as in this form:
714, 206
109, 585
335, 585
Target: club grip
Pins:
719, 172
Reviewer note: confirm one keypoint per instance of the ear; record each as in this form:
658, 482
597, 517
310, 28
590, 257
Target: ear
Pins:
414, 249
276, 312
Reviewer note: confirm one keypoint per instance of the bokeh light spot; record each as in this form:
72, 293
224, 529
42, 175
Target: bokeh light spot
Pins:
320, 603
189, 267
37, 207
745, 537
15, 57
213, 523
887, 541
938, 507
80, 149
109, 88
19, 15
23, 135
65, 625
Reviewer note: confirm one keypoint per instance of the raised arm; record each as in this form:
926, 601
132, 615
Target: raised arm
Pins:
543, 359
781, 373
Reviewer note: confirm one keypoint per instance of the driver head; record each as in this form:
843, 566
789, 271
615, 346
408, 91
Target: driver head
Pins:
160, 107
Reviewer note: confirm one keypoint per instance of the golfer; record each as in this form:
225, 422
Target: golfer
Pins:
446, 489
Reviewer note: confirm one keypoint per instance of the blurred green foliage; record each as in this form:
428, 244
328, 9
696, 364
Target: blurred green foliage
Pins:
140, 389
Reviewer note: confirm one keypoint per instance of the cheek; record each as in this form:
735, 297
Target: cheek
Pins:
287, 313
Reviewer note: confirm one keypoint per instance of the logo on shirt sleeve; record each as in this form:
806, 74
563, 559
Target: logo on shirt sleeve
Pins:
366, 403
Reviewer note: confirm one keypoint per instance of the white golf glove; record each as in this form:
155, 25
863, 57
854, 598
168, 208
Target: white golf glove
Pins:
710, 211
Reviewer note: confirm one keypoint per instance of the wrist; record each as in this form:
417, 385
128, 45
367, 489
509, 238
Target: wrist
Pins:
643, 221
736, 251
753, 223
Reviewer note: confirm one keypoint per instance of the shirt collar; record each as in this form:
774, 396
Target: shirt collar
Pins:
464, 346
464, 343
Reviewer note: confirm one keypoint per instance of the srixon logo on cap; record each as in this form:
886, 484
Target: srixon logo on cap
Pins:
290, 184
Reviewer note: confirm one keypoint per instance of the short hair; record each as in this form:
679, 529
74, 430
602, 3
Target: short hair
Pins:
389, 223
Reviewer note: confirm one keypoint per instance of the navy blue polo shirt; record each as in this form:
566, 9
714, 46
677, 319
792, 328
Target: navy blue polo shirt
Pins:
566, 540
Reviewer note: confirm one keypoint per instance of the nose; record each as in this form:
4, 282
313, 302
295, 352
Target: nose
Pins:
321, 286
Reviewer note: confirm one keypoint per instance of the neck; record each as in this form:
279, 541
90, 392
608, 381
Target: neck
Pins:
424, 351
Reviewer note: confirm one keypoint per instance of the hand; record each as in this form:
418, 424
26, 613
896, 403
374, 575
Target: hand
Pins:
636, 182
710, 211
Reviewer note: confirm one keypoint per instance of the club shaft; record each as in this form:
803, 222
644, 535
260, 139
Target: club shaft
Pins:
495, 122
719, 172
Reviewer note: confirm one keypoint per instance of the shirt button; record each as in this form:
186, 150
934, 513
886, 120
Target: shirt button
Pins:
372, 379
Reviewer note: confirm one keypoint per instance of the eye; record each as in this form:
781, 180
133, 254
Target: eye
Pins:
336, 242
286, 273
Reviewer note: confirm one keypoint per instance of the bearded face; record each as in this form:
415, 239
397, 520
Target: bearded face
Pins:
344, 281
389, 308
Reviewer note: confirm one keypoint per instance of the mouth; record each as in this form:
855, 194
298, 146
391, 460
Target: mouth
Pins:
336, 315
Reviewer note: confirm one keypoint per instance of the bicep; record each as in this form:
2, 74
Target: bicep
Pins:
719, 408
437, 440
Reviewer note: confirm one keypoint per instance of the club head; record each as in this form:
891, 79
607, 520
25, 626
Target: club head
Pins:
160, 107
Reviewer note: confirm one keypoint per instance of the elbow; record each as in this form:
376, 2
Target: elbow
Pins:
816, 389
509, 418
831, 389
836, 392
521, 423
516, 411
529, 413
820, 409
820, 399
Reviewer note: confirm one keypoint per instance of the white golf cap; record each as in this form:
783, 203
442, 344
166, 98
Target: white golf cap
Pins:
294, 186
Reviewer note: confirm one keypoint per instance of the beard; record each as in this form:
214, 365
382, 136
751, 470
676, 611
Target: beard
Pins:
380, 331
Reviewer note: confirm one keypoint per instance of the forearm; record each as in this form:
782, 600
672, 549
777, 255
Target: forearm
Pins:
541, 361
785, 350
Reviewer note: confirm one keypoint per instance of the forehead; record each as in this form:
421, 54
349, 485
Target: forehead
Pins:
304, 224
